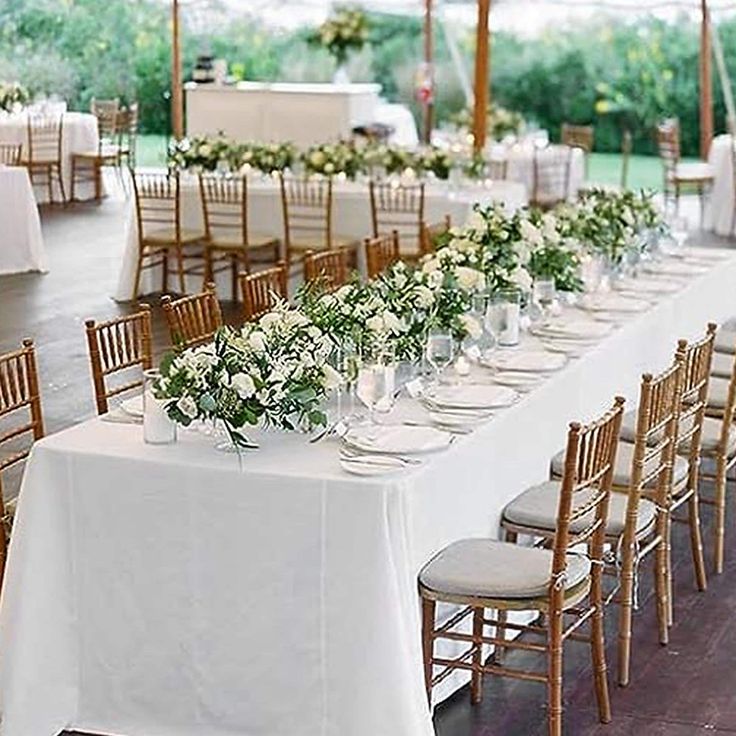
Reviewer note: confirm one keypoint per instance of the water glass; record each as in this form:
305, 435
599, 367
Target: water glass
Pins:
158, 429
544, 295
504, 316
375, 389
440, 350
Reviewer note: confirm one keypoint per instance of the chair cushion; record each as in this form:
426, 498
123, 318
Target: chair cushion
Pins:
168, 235
536, 508
316, 241
485, 568
696, 171
622, 471
233, 240
718, 392
725, 341
107, 150
709, 438
722, 365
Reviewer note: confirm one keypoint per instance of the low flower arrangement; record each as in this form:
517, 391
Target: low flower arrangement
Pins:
200, 153
500, 122
344, 31
13, 95
330, 159
274, 371
264, 157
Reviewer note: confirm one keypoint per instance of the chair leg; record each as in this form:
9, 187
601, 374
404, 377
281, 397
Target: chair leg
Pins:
234, 277
72, 194
180, 264
554, 673
668, 576
598, 649
696, 539
502, 615
660, 582
49, 184
476, 684
428, 614
61, 183
138, 270
626, 605
98, 180
720, 520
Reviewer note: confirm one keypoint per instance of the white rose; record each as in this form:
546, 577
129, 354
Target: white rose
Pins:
257, 341
375, 323
317, 159
476, 221
343, 292
471, 326
392, 322
329, 168
269, 320
549, 228
243, 385
523, 253
205, 149
425, 298
522, 279
530, 233
332, 378
430, 265
468, 278
435, 279
187, 406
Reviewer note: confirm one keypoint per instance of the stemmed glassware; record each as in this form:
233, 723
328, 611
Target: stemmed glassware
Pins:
375, 385
544, 298
440, 350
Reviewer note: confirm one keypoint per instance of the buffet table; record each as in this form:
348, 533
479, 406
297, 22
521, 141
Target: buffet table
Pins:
719, 215
21, 242
79, 135
181, 591
351, 218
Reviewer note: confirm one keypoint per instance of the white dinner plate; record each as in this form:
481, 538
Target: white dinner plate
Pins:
529, 361
648, 286
368, 468
133, 406
612, 302
580, 330
472, 396
398, 439
458, 419
522, 382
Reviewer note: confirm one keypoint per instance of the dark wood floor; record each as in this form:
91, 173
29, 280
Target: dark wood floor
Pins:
685, 689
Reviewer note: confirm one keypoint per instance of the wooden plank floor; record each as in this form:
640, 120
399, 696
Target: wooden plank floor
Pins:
685, 689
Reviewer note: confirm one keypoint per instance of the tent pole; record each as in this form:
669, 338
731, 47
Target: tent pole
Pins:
177, 101
429, 61
706, 83
482, 92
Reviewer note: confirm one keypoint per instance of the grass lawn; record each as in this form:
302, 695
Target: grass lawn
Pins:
645, 172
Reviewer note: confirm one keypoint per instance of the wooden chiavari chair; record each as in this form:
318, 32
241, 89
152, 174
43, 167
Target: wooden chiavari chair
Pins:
160, 232
497, 169
380, 253
21, 414
638, 512
307, 208
431, 233
43, 157
261, 289
329, 267
399, 207
551, 176
87, 165
697, 176
193, 320
128, 135
481, 574
119, 346
579, 136
229, 240
10, 154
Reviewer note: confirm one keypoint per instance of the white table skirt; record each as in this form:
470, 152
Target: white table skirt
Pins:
21, 242
720, 209
171, 591
79, 135
351, 218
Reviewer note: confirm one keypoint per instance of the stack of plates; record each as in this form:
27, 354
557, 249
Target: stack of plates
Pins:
577, 330
674, 268
473, 396
648, 286
530, 361
398, 439
612, 302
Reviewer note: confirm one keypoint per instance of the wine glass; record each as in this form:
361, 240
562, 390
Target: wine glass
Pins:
374, 389
440, 350
679, 230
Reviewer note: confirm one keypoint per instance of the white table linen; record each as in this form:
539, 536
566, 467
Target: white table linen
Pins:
173, 590
21, 241
720, 206
351, 218
79, 135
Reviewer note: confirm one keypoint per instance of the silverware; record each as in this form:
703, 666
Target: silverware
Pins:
451, 428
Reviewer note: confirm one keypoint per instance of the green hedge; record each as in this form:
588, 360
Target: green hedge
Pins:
637, 72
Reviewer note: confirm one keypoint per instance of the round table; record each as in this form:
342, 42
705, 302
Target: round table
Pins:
719, 213
21, 242
79, 135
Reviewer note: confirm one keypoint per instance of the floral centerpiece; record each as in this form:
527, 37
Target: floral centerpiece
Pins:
344, 31
500, 122
436, 161
200, 153
333, 158
12, 96
274, 372
265, 157
392, 159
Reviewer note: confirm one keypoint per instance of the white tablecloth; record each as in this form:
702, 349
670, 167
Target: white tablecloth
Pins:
720, 209
351, 218
173, 591
79, 135
21, 242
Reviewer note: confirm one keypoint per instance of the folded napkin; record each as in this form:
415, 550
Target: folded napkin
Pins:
574, 330
473, 396
531, 361
398, 439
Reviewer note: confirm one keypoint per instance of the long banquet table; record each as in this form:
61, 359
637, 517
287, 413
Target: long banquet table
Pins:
179, 591
719, 215
351, 217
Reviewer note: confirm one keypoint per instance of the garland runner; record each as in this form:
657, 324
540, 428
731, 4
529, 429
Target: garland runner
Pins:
277, 371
